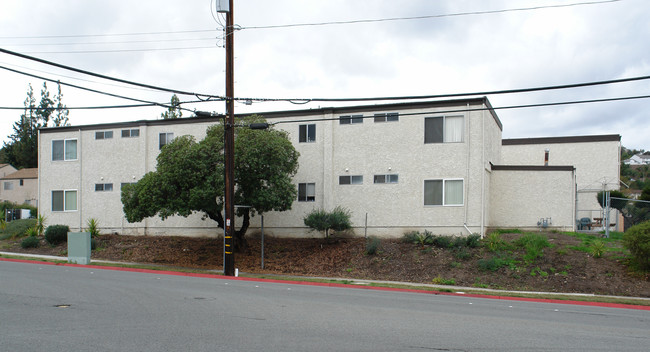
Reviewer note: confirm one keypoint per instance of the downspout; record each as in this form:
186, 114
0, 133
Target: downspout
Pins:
482, 172
38, 182
469, 149
80, 188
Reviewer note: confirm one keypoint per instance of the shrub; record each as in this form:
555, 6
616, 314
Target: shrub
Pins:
32, 232
372, 245
410, 237
40, 224
496, 262
597, 248
534, 245
473, 240
443, 241
55, 234
637, 240
424, 238
462, 253
18, 228
30, 242
320, 220
494, 242
93, 227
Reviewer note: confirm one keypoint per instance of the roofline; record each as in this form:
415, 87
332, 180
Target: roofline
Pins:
285, 113
567, 139
531, 168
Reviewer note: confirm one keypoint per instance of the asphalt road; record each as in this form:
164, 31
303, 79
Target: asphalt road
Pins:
62, 308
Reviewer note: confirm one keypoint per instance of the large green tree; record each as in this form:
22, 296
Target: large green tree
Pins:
21, 150
189, 177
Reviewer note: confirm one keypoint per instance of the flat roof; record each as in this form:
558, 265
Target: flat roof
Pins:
567, 139
288, 113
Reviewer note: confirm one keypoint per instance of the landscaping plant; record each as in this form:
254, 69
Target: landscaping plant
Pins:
637, 240
55, 234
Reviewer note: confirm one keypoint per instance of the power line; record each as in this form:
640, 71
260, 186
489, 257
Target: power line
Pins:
114, 42
306, 100
480, 109
428, 16
70, 68
124, 106
167, 106
107, 35
118, 50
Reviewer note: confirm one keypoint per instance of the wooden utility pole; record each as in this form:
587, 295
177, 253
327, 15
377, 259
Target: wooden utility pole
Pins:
229, 149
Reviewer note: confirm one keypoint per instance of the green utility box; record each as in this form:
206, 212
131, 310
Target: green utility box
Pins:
79, 247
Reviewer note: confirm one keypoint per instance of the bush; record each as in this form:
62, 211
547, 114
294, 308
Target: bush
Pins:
473, 240
443, 241
372, 245
55, 234
321, 220
30, 242
494, 242
534, 245
18, 228
410, 237
93, 227
496, 262
637, 240
597, 248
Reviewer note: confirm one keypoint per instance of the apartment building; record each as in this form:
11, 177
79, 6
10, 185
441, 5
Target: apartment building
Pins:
436, 165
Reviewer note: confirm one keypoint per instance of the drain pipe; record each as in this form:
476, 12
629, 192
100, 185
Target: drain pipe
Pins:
467, 228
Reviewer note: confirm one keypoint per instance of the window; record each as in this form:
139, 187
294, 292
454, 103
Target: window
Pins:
103, 187
125, 183
165, 138
129, 133
306, 192
22, 182
104, 135
8, 185
443, 129
64, 200
443, 192
64, 149
307, 133
388, 117
386, 178
350, 119
350, 180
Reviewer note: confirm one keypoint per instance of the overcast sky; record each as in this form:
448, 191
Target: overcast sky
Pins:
438, 55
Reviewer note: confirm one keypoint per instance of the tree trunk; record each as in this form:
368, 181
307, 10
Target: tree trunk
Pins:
241, 244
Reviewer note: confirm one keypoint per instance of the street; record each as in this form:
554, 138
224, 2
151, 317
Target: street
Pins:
63, 308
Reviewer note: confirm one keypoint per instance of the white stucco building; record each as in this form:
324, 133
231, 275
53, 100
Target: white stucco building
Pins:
438, 165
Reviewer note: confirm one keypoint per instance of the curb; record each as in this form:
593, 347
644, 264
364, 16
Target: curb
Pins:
340, 285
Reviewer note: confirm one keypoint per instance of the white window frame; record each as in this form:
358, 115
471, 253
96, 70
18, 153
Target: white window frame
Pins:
169, 136
445, 135
350, 119
387, 117
65, 149
309, 190
104, 135
387, 178
103, 187
351, 180
444, 195
304, 135
129, 133
65, 192
8, 185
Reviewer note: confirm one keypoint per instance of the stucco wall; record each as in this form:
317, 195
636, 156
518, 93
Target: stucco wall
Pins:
597, 164
521, 199
366, 149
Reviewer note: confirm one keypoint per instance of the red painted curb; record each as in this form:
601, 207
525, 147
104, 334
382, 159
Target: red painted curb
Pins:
325, 284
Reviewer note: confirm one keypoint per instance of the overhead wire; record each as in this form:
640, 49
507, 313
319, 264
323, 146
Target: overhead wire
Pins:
442, 112
428, 16
306, 100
